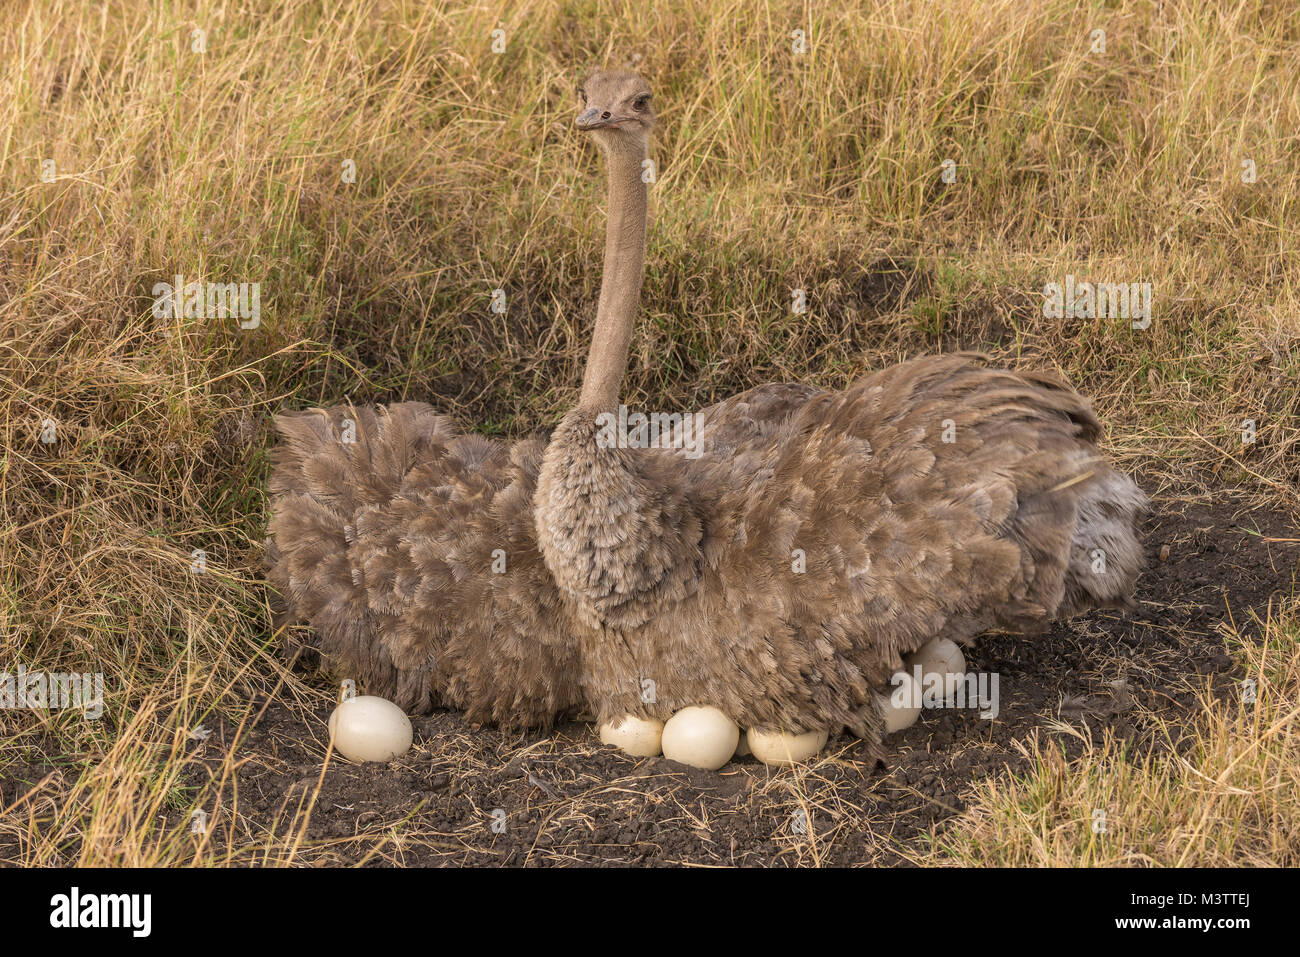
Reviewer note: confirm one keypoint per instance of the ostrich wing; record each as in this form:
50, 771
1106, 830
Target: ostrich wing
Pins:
410, 551
933, 496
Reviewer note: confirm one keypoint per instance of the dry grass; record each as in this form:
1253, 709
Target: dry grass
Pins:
1220, 791
777, 172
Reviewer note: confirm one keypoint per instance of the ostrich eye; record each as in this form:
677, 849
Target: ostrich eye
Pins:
642, 102
583, 94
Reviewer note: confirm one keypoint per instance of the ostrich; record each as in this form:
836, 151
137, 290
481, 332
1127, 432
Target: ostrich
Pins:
781, 575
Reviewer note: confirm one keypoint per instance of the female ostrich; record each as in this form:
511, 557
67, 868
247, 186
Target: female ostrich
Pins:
781, 575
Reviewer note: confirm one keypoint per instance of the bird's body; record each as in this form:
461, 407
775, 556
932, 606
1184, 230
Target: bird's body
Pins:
821, 536
779, 571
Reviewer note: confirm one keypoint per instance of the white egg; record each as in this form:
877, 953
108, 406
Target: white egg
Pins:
778, 747
742, 745
367, 728
641, 737
701, 736
938, 656
901, 704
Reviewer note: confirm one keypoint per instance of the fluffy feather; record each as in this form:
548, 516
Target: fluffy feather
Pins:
411, 553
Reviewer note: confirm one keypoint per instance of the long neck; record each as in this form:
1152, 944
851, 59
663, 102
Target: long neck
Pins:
615, 527
620, 284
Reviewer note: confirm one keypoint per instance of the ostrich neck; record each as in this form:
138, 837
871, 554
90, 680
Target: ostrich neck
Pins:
620, 284
616, 527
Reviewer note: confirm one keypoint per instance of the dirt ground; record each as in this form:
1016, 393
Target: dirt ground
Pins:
467, 795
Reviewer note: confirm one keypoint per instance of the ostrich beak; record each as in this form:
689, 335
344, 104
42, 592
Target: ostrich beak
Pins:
593, 119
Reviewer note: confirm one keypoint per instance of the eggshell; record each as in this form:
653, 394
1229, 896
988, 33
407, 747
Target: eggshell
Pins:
641, 737
938, 655
742, 745
367, 728
778, 747
896, 704
700, 736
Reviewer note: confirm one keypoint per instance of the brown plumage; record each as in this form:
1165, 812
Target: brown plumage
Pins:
780, 576
902, 536
410, 551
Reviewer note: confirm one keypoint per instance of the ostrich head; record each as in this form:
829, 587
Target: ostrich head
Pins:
616, 110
